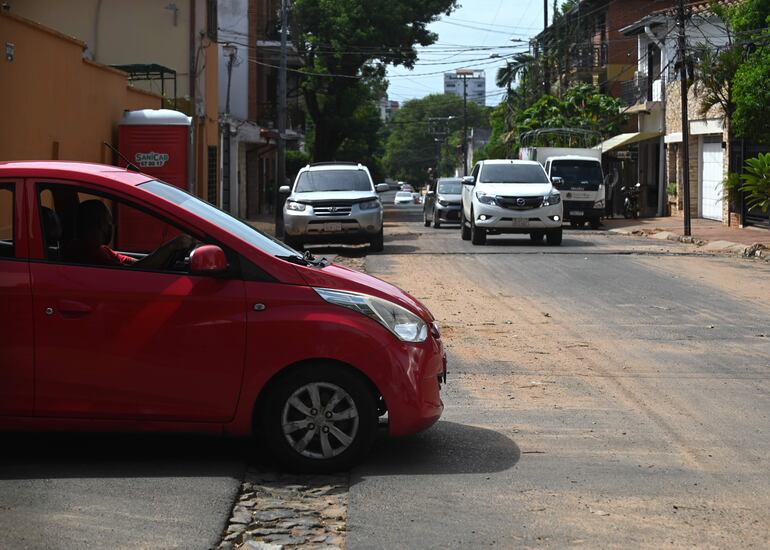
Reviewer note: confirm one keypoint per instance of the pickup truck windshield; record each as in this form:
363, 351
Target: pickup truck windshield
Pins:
333, 180
577, 171
232, 225
513, 173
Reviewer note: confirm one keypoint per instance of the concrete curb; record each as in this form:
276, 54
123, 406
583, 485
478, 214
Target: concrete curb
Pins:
756, 250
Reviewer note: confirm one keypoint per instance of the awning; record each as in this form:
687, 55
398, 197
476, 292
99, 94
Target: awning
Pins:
706, 127
626, 139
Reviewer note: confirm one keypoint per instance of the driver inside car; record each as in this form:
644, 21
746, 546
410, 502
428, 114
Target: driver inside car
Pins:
94, 231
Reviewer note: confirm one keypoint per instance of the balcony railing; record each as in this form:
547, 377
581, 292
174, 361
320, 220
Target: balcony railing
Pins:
588, 56
641, 90
633, 91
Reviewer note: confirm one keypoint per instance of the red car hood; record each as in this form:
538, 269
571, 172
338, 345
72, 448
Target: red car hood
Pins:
338, 277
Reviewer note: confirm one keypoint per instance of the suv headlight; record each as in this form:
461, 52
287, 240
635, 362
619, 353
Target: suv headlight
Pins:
296, 206
443, 202
483, 198
550, 200
407, 326
369, 205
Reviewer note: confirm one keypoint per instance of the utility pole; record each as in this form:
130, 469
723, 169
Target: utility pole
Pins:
685, 118
439, 130
546, 75
465, 124
281, 160
464, 73
230, 51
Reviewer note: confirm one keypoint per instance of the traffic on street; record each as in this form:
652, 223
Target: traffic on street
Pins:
368, 274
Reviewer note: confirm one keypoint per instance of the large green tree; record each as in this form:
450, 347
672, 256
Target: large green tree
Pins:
581, 107
425, 128
344, 44
734, 76
751, 95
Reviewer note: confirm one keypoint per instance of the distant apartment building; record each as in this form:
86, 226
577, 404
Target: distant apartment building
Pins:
467, 81
387, 108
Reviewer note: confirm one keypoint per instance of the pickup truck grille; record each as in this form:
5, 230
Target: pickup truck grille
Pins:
332, 210
519, 203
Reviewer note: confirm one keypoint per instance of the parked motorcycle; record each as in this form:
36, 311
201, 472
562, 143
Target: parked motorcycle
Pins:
631, 200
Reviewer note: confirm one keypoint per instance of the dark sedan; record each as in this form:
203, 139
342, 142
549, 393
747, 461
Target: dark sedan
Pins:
443, 202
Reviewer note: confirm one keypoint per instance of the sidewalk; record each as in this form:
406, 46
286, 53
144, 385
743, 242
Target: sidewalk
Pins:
708, 235
264, 222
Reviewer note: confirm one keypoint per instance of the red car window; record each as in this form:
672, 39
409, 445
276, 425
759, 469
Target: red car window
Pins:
130, 233
6, 221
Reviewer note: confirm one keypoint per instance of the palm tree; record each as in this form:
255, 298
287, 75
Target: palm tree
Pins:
519, 65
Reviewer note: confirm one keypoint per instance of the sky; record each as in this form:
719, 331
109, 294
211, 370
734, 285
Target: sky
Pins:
476, 36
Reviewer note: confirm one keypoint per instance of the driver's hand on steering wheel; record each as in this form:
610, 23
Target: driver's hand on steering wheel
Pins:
179, 243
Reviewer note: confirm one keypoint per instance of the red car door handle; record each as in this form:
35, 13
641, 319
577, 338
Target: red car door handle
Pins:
69, 308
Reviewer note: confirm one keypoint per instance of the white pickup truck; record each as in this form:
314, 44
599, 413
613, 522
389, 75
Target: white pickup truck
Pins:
577, 174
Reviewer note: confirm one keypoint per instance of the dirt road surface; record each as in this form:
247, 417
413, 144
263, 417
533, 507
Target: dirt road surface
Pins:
609, 393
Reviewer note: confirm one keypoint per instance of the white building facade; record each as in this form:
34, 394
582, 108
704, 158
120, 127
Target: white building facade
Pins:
469, 82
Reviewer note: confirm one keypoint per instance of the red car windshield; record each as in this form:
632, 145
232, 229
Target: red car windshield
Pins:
231, 224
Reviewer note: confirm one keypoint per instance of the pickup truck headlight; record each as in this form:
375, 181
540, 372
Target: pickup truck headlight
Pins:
599, 204
407, 326
296, 206
550, 200
369, 205
483, 198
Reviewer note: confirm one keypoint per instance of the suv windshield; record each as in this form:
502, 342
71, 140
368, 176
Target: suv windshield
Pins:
232, 225
332, 180
513, 173
450, 187
577, 171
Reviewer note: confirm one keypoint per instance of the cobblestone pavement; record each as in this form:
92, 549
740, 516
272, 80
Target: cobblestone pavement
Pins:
280, 512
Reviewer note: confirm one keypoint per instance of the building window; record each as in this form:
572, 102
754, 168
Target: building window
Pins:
211, 19
211, 194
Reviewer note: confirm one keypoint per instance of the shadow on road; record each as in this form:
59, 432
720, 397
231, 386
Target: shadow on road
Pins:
62, 456
446, 448
398, 248
524, 240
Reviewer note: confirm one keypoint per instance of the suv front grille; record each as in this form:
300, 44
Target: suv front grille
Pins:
519, 203
332, 210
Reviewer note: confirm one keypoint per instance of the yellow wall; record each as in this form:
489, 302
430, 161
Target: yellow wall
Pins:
123, 32
54, 104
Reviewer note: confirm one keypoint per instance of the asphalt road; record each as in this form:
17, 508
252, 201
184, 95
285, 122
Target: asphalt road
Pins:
611, 392
116, 491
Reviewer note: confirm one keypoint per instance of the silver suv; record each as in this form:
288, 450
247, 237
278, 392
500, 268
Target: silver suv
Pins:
333, 202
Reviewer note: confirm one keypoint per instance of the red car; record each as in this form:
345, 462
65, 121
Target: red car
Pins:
128, 304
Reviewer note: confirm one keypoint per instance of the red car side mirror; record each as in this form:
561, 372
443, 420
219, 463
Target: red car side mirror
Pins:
207, 259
